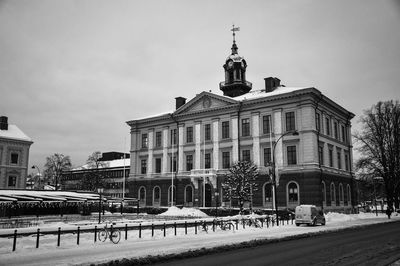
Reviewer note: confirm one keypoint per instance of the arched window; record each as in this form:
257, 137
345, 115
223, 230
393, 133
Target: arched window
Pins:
171, 195
189, 195
333, 194
293, 193
341, 194
348, 195
142, 195
323, 193
267, 194
156, 196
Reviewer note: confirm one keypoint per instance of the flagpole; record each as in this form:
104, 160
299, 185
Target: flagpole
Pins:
123, 183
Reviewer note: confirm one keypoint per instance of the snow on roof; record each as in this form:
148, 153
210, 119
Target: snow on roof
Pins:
261, 93
14, 132
108, 164
46, 195
153, 116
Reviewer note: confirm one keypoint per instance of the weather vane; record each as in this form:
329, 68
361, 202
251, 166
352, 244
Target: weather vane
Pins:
233, 30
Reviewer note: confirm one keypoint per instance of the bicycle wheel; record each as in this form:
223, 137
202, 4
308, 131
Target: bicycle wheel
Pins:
115, 236
102, 235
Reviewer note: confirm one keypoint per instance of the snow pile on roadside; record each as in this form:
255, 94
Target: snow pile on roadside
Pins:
340, 217
191, 212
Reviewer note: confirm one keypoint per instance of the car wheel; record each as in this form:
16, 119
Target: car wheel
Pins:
297, 224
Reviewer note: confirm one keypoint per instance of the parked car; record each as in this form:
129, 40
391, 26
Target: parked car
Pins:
309, 214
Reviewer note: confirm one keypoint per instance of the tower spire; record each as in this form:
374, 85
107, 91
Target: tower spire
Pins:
234, 46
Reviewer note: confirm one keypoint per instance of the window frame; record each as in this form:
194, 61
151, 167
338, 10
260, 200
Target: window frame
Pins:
290, 121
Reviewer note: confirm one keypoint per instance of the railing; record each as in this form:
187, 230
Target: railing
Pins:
224, 84
203, 172
197, 226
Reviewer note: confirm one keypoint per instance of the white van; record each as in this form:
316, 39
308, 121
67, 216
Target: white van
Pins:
309, 214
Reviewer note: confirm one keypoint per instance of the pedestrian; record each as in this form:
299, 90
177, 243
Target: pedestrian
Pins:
388, 212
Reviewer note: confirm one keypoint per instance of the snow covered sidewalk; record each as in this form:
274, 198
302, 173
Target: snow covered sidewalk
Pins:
69, 253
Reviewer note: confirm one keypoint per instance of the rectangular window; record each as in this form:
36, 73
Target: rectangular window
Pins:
245, 127
267, 157
173, 164
246, 155
12, 181
143, 166
290, 121
343, 134
189, 162
330, 157
225, 129
346, 162
189, 134
266, 124
328, 126
207, 132
335, 130
291, 155
339, 160
158, 138
226, 160
318, 122
173, 136
14, 158
158, 165
321, 155
207, 161
145, 141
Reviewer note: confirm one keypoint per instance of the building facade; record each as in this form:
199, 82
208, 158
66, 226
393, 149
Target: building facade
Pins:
182, 157
111, 169
14, 155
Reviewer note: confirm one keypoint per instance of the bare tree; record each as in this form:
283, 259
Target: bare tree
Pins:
94, 177
240, 183
379, 145
54, 167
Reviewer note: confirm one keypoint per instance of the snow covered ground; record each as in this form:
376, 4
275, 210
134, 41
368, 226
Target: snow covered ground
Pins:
69, 253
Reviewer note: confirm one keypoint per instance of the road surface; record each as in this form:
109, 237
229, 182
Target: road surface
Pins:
377, 244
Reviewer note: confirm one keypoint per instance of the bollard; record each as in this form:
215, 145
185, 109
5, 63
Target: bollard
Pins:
152, 230
15, 240
140, 230
37, 238
126, 231
77, 237
195, 227
58, 236
95, 233
164, 229
185, 228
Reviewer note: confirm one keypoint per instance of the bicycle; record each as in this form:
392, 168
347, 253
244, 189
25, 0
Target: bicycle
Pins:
113, 234
224, 225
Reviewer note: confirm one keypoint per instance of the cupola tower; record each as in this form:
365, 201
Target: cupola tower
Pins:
235, 83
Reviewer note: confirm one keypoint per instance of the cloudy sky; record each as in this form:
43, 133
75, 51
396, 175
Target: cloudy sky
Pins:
73, 72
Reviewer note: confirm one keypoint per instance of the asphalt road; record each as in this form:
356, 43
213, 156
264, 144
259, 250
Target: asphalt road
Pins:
377, 244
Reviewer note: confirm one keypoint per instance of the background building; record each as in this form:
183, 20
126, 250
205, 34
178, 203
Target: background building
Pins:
181, 157
14, 155
113, 165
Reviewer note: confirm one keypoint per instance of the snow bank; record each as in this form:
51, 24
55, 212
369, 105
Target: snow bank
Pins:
175, 211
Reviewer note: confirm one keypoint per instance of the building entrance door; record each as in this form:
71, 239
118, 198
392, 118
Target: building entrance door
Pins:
208, 197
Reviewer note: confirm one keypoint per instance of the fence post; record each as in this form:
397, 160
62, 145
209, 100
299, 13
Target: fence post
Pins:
175, 227
152, 230
195, 227
77, 238
185, 227
58, 236
140, 230
126, 231
262, 222
267, 222
164, 229
15, 240
37, 238
243, 222
237, 225
95, 233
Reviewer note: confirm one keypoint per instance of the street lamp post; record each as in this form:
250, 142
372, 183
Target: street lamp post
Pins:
39, 174
100, 191
294, 133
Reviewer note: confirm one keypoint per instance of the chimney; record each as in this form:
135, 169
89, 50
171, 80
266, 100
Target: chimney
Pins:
271, 84
179, 102
3, 122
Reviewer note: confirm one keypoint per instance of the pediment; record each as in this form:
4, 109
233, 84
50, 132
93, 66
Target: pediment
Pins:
205, 101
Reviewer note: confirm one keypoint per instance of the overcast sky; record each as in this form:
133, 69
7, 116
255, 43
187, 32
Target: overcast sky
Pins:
73, 72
